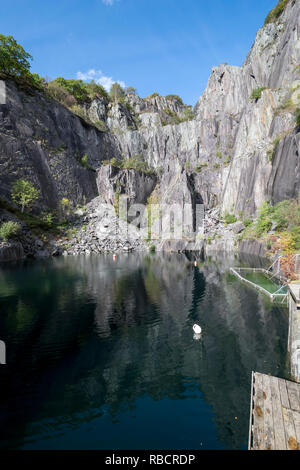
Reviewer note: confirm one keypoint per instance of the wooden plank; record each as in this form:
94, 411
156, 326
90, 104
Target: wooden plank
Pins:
280, 442
268, 414
283, 393
292, 389
290, 432
296, 417
258, 411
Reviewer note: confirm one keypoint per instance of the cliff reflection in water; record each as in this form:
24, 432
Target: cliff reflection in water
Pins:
93, 342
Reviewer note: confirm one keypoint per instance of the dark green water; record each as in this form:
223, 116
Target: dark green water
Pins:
101, 354
264, 281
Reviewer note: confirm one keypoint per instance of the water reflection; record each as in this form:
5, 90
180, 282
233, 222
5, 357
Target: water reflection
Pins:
101, 352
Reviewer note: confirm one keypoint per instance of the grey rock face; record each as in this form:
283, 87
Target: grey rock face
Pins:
11, 251
252, 247
135, 185
119, 118
44, 143
97, 109
238, 227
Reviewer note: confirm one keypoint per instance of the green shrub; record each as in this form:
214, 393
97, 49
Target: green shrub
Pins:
77, 88
286, 213
136, 162
9, 230
256, 94
116, 92
24, 194
295, 232
227, 160
65, 208
61, 95
95, 90
153, 95
152, 248
247, 222
271, 153
37, 81
297, 117
130, 90
79, 111
219, 154
101, 126
129, 107
229, 218
48, 218
209, 239
84, 160
69, 91
276, 12
264, 221
200, 167
188, 114
175, 118
174, 98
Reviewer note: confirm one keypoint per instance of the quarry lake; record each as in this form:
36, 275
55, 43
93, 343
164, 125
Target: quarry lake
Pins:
101, 354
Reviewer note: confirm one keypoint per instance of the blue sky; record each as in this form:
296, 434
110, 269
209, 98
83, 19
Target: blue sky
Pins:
164, 46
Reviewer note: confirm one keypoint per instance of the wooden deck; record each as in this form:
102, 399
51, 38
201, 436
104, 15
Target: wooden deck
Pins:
274, 414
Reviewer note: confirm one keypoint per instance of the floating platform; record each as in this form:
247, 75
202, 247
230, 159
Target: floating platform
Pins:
262, 280
274, 414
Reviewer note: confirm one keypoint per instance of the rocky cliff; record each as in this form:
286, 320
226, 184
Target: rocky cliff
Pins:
236, 149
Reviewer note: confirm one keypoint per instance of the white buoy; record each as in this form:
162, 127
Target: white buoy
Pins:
197, 329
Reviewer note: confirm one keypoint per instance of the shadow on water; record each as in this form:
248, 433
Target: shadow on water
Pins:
101, 354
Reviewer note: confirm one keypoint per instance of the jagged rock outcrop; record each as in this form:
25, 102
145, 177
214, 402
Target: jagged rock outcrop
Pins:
97, 109
135, 185
119, 118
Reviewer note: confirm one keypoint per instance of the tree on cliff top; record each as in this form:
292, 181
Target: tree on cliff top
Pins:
116, 92
14, 60
15, 63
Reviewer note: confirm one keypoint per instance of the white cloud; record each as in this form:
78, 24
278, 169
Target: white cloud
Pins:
99, 78
92, 74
